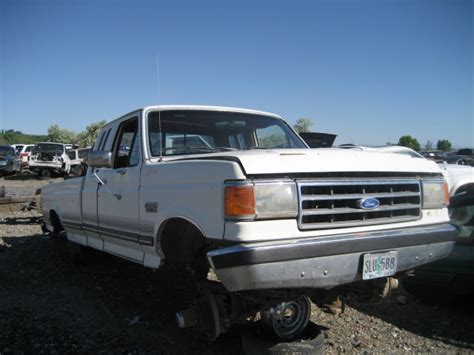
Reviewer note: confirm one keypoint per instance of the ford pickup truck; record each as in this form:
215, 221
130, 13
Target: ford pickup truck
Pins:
238, 191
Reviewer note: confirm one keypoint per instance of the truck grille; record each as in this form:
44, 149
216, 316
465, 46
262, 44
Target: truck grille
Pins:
337, 203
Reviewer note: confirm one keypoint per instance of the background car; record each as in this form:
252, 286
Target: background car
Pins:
49, 158
461, 157
10, 161
454, 275
24, 153
78, 158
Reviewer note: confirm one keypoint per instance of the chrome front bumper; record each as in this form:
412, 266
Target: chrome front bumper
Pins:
325, 262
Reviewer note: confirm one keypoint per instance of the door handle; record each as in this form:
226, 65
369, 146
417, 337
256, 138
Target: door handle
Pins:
118, 196
122, 171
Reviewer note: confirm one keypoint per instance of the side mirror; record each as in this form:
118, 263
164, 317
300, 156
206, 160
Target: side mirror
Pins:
98, 159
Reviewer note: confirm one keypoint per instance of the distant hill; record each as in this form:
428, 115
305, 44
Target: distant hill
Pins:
16, 137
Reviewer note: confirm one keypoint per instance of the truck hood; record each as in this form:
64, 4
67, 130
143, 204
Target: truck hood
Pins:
325, 160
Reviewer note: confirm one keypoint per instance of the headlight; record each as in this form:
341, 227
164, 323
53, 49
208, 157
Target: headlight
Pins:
260, 200
435, 194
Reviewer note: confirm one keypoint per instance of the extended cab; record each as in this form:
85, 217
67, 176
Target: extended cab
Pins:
240, 192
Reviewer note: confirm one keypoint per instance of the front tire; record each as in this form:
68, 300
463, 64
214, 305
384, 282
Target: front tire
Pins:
311, 342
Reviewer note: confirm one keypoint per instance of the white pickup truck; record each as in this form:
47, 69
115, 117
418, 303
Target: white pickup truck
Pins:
240, 192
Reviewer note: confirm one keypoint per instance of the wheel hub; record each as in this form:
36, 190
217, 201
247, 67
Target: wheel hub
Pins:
288, 319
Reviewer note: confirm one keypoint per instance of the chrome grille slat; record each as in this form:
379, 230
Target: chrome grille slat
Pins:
324, 211
326, 203
348, 182
354, 196
357, 224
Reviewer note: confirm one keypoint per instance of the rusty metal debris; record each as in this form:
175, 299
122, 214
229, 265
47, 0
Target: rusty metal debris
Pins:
12, 204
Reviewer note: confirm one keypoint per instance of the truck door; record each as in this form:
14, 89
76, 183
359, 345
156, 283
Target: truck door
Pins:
117, 199
90, 221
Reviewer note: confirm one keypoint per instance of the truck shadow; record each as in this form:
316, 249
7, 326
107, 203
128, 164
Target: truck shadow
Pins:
103, 304
447, 321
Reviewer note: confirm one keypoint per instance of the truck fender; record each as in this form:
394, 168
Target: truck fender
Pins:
464, 183
161, 224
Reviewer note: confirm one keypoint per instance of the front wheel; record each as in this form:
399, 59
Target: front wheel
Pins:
288, 320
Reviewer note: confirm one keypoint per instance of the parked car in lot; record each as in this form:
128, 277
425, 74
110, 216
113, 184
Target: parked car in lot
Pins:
18, 147
276, 221
438, 156
463, 156
318, 140
454, 274
48, 158
10, 161
24, 151
78, 159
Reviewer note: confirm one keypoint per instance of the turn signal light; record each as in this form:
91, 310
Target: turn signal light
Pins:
446, 193
240, 201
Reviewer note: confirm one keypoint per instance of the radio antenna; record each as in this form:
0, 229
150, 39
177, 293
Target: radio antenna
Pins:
159, 102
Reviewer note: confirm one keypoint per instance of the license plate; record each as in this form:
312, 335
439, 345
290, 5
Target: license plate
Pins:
379, 265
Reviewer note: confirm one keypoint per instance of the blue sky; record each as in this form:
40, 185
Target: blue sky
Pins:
369, 71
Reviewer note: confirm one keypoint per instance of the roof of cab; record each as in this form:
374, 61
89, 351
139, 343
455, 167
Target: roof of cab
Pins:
198, 108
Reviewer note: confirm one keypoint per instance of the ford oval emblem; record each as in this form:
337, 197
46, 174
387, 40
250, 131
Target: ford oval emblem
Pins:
368, 203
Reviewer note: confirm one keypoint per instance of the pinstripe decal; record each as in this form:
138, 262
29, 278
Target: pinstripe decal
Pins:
112, 232
67, 222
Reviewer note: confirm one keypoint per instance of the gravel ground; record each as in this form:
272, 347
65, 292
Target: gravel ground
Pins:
49, 305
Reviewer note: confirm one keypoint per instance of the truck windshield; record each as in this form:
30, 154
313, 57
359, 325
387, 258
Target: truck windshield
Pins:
194, 132
48, 147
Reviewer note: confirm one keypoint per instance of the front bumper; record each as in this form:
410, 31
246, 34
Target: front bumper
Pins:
325, 262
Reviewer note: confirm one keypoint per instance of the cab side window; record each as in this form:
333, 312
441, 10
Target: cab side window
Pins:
127, 149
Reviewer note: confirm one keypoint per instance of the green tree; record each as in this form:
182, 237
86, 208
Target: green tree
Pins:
409, 141
429, 145
303, 125
89, 135
444, 144
10, 136
61, 135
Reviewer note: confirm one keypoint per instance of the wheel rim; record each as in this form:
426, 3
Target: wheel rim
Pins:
288, 319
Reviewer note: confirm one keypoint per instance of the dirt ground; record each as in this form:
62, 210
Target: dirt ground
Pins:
50, 305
